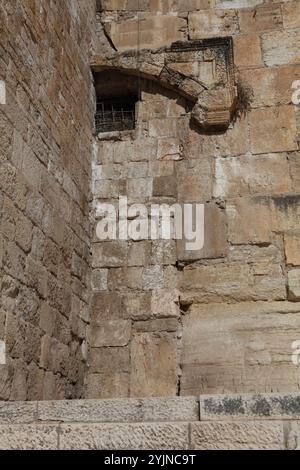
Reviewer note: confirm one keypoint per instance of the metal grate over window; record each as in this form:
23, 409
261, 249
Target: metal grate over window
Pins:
115, 115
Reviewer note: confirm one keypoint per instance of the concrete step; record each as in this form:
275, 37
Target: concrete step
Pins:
207, 422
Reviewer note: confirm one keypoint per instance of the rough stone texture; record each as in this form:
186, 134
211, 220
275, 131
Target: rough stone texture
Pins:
124, 436
213, 126
237, 436
45, 147
250, 346
28, 437
117, 411
249, 407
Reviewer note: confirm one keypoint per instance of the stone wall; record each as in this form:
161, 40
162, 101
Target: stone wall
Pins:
166, 321
45, 149
213, 422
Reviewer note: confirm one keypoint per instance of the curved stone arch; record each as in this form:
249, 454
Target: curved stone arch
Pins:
213, 106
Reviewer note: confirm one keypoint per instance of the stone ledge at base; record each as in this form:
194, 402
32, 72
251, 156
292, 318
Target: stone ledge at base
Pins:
233, 422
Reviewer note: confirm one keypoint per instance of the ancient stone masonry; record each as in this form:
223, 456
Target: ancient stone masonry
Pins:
45, 171
215, 124
210, 85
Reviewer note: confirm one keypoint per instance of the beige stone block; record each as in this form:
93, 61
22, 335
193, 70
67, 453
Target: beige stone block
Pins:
249, 222
163, 127
17, 413
99, 279
209, 23
238, 436
153, 365
125, 278
265, 123
281, 47
235, 141
111, 333
124, 436
240, 348
153, 278
112, 385
247, 51
169, 149
28, 437
194, 180
274, 85
263, 18
244, 176
285, 213
294, 285
137, 305
139, 188
106, 306
121, 410
215, 236
237, 3
165, 303
233, 282
292, 248
291, 14
165, 186
109, 254
104, 361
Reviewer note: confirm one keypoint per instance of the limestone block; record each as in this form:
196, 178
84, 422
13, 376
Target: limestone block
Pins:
240, 348
215, 236
244, 176
194, 180
153, 278
110, 334
163, 127
119, 410
104, 360
237, 3
281, 47
139, 189
249, 407
153, 32
153, 365
106, 306
165, 303
169, 149
17, 412
28, 437
139, 253
124, 437
247, 51
263, 18
291, 14
285, 212
165, 186
292, 248
294, 284
248, 222
112, 385
190, 5
209, 23
99, 279
213, 109
265, 123
125, 278
137, 306
235, 141
238, 436
109, 254
275, 85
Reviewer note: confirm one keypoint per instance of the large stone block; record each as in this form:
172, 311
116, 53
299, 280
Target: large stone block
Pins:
124, 436
250, 407
265, 123
281, 47
209, 23
244, 176
119, 411
194, 180
153, 365
263, 18
294, 285
238, 436
240, 348
247, 51
28, 437
237, 3
292, 248
110, 334
17, 412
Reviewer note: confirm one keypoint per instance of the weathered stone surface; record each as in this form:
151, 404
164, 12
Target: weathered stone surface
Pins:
212, 23
294, 284
281, 47
124, 437
247, 51
111, 333
238, 436
28, 437
153, 365
264, 123
17, 413
229, 347
263, 18
292, 248
120, 411
249, 407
